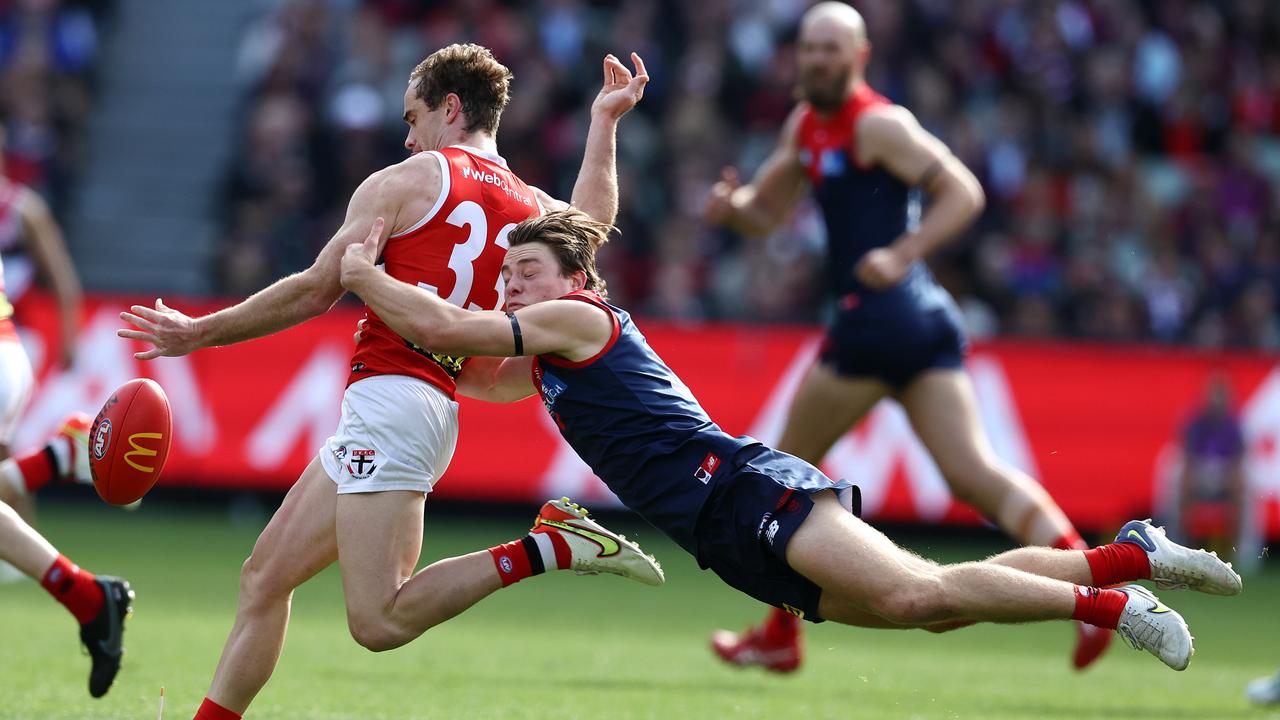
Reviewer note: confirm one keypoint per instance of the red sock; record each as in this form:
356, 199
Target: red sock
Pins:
532, 554
1118, 563
1099, 607
210, 710
74, 588
781, 624
1070, 540
38, 468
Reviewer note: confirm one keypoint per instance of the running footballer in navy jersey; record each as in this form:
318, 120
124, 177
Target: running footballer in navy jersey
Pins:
895, 332
768, 523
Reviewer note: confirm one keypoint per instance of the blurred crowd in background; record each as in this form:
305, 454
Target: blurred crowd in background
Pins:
1130, 149
48, 50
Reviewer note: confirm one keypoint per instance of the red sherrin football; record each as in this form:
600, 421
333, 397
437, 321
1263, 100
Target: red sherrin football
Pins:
129, 441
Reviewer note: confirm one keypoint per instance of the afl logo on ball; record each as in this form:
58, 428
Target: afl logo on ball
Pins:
101, 439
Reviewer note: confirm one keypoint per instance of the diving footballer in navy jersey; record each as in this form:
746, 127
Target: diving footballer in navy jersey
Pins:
769, 524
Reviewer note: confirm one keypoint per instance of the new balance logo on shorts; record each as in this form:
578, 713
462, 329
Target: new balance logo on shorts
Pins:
707, 469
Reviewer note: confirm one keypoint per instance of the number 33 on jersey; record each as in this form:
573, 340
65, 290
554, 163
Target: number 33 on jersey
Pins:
455, 251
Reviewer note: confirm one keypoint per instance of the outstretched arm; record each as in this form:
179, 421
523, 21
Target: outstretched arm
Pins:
596, 190
569, 328
50, 253
759, 208
291, 300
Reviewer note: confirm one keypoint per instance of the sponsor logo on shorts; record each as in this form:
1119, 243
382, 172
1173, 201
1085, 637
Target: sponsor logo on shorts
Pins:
771, 532
101, 438
793, 610
707, 469
362, 465
340, 453
764, 521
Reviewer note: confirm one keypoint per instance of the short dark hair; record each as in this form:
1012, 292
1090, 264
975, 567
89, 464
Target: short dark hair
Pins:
470, 72
572, 237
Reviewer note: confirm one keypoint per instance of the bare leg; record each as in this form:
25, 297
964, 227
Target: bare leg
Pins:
1067, 565
21, 502
861, 572
944, 413
297, 543
388, 605
22, 546
825, 407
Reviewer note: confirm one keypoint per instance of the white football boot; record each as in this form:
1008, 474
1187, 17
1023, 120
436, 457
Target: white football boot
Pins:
1150, 625
75, 430
596, 549
1264, 691
1174, 567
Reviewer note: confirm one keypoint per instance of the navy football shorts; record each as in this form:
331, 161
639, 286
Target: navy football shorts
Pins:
894, 342
750, 517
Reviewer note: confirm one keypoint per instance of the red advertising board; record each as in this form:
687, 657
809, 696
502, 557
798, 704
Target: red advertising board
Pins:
1098, 425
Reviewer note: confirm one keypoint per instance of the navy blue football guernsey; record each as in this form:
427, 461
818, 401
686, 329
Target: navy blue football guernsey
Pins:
864, 208
637, 426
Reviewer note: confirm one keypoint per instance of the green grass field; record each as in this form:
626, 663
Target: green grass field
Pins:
583, 647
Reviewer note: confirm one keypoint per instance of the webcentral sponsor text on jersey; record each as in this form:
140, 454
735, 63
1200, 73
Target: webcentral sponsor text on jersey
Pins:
493, 179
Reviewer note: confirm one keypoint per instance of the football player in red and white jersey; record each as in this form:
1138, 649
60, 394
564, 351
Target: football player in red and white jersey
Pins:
98, 603
27, 224
448, 207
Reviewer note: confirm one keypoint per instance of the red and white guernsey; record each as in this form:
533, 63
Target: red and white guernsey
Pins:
10, 237
455, 251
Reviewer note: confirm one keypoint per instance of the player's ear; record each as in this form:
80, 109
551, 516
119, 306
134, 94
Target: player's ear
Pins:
579, 279
452, 107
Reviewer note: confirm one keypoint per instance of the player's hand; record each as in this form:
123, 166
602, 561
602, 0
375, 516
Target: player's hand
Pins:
621, 90
883, 267
719, 208
171, 333
360, 257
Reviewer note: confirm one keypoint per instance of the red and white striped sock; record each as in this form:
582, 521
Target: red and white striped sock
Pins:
532, 554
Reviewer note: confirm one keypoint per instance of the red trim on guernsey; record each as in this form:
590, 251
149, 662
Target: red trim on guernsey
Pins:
591, 298
818, 132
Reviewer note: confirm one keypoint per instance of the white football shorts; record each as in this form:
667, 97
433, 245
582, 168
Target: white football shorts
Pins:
396, 433
16, 382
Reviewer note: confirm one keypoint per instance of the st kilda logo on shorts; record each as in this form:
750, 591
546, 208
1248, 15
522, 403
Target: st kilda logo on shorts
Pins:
362, 464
